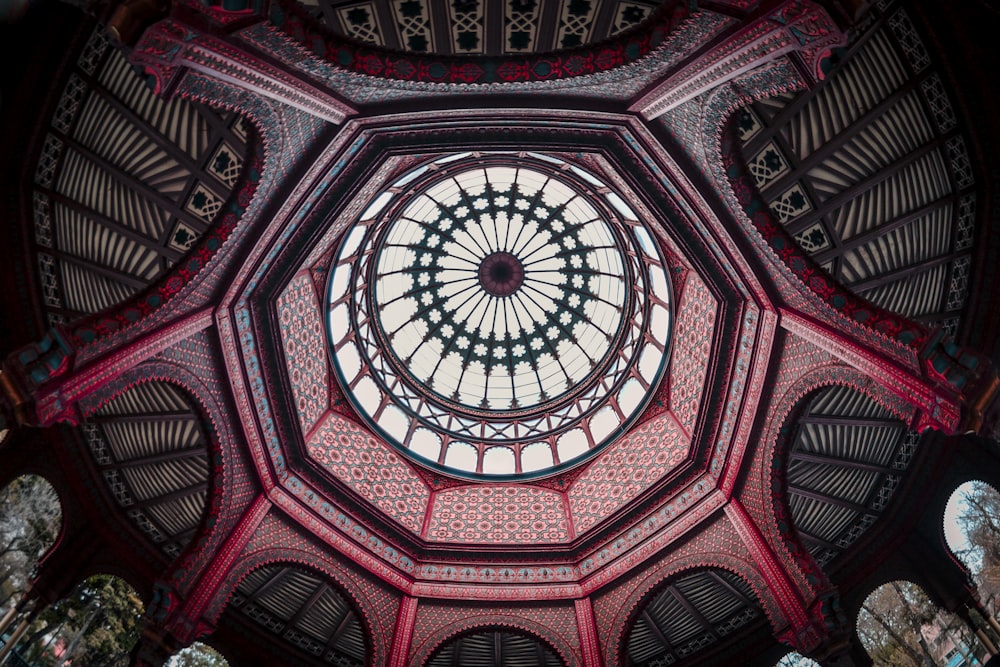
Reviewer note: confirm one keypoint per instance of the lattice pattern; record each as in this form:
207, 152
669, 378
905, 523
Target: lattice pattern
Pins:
498, 515
692, 345
226, 164
960, 163
814, 238
630, 14
767, 165
958, 286
48, 161
43, 219
204, 203
467, 19
361, 22
69, 104
939, 103
302, 339
521, 25
965, 222
910, 41
748, 125
371, 469
627, 469
414, 22
576, 17
790, 204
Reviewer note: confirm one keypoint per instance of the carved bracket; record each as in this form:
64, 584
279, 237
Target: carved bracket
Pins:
798, 27
170, 49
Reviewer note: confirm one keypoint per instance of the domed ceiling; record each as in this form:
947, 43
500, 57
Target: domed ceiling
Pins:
499, 333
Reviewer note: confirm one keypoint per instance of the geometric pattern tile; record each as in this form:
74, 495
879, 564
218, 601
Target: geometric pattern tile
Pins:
627, 469
305, 352
498, 514
692, 347
371, 469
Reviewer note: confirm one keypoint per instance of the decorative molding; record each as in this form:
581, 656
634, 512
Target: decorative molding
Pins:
797, 26
169, 48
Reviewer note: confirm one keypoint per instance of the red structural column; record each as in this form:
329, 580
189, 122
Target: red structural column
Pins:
778, 581
587, 627
188, 624
403, 634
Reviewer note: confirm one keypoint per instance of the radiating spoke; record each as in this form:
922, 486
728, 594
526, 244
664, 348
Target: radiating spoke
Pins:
499, 287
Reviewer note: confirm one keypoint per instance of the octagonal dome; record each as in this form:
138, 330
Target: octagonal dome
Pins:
361, 279
499, 314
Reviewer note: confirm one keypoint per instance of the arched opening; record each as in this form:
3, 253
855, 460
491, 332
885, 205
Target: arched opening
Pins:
899, 625
124, 183
846, 456
30, 521
972, 531
153, 451
301, 615
97, 624
688, 615
495, 647
197, 655
794, 659
870, 172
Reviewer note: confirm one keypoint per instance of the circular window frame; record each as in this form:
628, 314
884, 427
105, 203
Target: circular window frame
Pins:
576, 438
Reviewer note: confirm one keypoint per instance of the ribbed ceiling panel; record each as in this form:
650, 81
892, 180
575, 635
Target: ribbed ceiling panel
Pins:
301, 608
125, 183
153, 452
687, 615
870, 173
494, 648
845, 460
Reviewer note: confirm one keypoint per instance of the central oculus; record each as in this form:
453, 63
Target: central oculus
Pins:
501, 274
491, 314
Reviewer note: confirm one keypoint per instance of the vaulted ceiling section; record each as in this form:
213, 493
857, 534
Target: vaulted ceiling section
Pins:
869, 170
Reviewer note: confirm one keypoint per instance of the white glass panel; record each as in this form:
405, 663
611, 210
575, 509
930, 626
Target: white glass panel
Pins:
498, 461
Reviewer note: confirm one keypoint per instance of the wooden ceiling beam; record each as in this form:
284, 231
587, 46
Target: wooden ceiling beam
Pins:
869, 183
821, 459
277, 578
163, 457
658, 633
905, 272
112, 225
693, 610
800, 102
831, 500
191, 490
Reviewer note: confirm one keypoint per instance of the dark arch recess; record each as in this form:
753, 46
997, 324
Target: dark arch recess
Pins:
830, 490
305, 609
688, 613
495, 647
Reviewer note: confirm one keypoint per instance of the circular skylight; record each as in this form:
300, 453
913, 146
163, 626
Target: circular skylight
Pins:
494, 315
499, 288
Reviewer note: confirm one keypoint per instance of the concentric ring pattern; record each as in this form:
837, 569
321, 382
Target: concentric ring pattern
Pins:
492, 314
